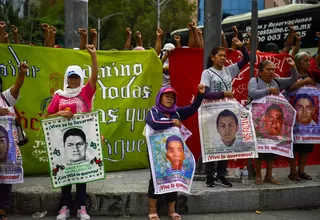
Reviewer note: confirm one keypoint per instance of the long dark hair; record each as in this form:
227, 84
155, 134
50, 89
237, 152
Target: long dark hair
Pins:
214, 52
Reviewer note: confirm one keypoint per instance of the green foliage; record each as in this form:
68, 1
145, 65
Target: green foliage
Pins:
140, 15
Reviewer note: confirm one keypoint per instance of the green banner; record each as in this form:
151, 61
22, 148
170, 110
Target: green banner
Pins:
127, 86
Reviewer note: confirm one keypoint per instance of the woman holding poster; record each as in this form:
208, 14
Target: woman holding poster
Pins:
305, 106
265, 84
218, 82
164, 115
9, 150
75, 98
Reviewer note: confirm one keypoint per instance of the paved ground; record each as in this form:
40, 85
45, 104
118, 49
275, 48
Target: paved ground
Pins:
125, 193
313, 214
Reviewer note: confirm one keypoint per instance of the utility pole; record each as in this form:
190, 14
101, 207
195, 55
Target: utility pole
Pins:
159, 4
75, 16
254, 34
100, 23
212, 26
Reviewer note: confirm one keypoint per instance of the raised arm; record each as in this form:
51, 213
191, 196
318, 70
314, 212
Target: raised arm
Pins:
235, 35
83, 38
2, 31
187, 111
290, 39
52, 33
224, 42
246, 57
15, 89
15, 32
177, 38
191, 37
195, 35
127, 45
45, 28
94, 73
6, 38
297, 44
139, 39
285, 83
201, 38
159, 34
94, 37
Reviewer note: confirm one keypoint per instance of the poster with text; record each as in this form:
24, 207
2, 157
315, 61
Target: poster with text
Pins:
306, 102
11, 170
74, 149
128, 82
226, 131
172, 163
274, 118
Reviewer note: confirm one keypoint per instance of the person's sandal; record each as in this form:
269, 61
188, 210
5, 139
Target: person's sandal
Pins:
305, 176
258, 181
294, 177
272, 181
153, 217
175, 216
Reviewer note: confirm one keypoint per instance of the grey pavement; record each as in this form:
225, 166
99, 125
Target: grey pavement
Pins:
125, 193
313, 214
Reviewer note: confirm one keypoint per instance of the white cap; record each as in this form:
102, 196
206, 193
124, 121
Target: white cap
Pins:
168, 46
74, 69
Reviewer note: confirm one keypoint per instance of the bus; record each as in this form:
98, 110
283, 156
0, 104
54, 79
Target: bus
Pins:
272, 26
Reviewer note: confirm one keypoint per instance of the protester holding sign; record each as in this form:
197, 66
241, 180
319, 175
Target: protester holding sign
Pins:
265, 84
75, 98
218, 82
305, 107
165, 114
10, 157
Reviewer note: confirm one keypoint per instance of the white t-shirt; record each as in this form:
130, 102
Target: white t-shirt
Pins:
8, 96
219, 80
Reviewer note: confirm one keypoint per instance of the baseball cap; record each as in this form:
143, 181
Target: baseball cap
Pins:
74, 70
170, 90
168, 46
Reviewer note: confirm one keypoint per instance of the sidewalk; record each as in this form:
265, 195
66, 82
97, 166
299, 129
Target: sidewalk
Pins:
125, 193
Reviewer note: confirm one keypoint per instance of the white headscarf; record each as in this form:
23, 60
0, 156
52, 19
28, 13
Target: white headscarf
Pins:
68, 92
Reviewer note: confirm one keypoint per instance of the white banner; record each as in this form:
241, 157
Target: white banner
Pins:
74, 149
226, 131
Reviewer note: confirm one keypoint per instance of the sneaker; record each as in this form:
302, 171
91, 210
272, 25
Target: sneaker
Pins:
82, 213
209, 181
222, 181
64, 213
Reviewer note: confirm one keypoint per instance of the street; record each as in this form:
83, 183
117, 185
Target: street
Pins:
312, 214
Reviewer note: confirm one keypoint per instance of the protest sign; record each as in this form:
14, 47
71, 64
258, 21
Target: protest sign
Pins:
11, 170
74, 149
128, 82
226, 131
306, 102
274, 118
172, 163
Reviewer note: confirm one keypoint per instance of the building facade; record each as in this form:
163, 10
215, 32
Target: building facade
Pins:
235, 7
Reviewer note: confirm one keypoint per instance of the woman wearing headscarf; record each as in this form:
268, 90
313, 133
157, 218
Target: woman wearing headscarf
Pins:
306, 78
75, 98
265, 84
165, 114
